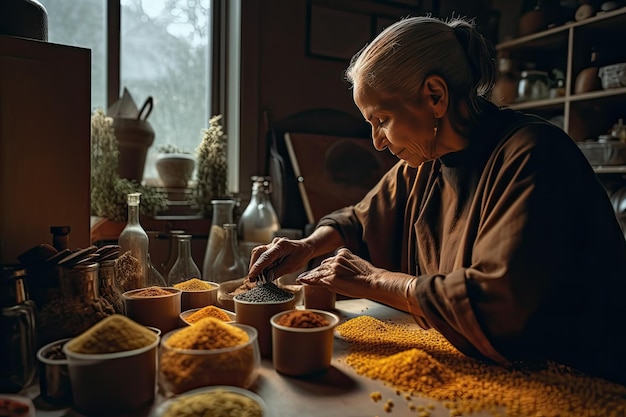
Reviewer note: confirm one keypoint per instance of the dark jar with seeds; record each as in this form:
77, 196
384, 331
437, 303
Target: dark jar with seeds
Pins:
79, 305
109, 289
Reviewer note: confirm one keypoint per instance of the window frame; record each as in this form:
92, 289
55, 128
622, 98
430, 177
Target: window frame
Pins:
224, 70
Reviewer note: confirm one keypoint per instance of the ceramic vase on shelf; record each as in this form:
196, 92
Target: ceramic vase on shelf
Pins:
505, 89
588, 79
222, 214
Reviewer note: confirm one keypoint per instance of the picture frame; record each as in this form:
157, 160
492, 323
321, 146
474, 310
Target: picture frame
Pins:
336, 34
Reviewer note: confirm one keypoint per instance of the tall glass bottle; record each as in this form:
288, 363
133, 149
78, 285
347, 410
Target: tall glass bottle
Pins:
185, 268
134, 243
229, 264
222, 214
259, 220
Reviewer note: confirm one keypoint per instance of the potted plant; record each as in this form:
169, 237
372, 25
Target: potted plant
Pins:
108, 190
175, 166
212, 173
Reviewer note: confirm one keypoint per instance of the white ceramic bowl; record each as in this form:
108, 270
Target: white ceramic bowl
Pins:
183, 316
181, 370
613, 76
250, 399
224, 299
288, 282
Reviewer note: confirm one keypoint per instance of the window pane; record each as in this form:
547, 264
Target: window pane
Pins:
83, 24
164, 54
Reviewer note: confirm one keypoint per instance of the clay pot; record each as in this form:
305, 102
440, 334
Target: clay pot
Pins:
134, 138
533, 21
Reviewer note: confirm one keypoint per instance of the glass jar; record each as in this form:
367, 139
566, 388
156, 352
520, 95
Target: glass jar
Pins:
134, 243
185, 268
222, 214
78, 307
108, 286
229, 264
259, 220
18, 329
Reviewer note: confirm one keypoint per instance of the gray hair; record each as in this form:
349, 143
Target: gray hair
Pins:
402, 56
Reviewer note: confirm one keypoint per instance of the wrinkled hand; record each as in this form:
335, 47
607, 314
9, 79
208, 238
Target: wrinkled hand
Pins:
282, 256
344, 273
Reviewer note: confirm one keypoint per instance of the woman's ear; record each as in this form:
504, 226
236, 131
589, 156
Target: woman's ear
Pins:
436, 90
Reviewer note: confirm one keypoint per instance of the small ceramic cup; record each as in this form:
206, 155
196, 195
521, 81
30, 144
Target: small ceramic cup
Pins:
54, 377
320, 298
160, 311
258, 315
299, 351
198, 299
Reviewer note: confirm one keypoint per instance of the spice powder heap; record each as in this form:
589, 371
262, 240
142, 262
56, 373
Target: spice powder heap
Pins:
195, 284
302, 319
423, 363
208, 311
218, 403
116, 333
150, 292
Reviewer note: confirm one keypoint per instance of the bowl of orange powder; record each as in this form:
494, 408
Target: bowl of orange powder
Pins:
210, 352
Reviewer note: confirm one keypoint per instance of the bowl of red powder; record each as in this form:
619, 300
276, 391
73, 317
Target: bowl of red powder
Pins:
303, 341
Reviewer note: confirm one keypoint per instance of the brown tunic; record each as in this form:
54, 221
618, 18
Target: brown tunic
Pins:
515, 245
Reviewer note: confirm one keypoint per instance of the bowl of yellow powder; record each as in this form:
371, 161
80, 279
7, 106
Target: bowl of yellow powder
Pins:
197, 293
210, 352
216, 401
112, 366
194, 315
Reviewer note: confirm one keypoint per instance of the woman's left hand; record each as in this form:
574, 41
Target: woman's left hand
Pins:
344, 273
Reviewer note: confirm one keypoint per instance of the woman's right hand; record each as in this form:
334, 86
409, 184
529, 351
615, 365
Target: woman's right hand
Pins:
282, 256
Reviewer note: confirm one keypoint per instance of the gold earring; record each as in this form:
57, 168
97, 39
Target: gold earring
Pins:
436, 128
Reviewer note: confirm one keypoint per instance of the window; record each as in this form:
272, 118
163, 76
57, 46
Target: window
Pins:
164, 53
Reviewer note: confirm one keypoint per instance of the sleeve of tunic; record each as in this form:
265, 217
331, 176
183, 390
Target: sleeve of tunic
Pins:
375, 228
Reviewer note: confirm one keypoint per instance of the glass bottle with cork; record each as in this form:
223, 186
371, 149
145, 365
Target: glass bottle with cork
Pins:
134, 243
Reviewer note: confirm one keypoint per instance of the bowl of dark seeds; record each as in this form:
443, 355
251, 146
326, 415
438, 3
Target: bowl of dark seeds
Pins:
257, 306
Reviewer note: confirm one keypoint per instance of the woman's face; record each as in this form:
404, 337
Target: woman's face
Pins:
405, 128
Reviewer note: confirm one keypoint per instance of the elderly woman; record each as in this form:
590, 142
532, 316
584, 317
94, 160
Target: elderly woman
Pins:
492, 227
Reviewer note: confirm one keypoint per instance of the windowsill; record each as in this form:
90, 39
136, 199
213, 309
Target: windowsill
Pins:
103, 229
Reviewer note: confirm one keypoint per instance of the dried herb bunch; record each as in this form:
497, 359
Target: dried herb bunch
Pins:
108, 190
212, 168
